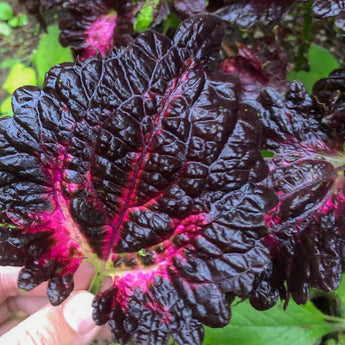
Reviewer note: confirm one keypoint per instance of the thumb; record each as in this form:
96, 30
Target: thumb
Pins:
68, 324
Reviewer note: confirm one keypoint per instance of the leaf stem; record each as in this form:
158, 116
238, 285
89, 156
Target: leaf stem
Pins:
306, 33
334, 319
98, 278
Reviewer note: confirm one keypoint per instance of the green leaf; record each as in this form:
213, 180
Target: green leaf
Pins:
267, 154
18, 21
50, 53
341, 340
9, 63
6, 107
6, 12
19, 75
145, 16
171, 21
5, 30
298, 325
340, 292
321, 63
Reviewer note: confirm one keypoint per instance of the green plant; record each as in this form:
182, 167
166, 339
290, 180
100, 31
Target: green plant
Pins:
9, 20
32, 71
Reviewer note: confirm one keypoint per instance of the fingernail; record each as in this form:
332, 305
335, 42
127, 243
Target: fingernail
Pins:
78, 313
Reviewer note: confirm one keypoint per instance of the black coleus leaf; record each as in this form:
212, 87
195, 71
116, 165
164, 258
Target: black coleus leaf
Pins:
188, 8
89, 26
307, 173
250, 12
330, 94
258, 67
99, 25
330, 8
95, 26
35, 6
146, 164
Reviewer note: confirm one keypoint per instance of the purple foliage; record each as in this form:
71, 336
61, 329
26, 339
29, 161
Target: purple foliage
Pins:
257, 68
95, 26
307, 173
330, 8
99, 25
147, 163
250, 12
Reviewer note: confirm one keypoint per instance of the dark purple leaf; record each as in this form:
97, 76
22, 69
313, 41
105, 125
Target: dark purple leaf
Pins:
307, 173
330, 8
96, 25
327, 8
188, 8
330, 94
146, 164
35, 6
340, 21
257, 67
99, 25
249, 12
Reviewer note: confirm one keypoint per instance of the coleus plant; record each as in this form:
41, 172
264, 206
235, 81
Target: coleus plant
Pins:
330, 8
111, 19
258, 67
98, 25
250, 12
36, 7
306, 136
146, 164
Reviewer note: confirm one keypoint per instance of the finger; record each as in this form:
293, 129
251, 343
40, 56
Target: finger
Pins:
29, 305
5, 312
68, 324
7, 326
83, 276
30, 302
26, 304
82, 279
9, 279
104, 333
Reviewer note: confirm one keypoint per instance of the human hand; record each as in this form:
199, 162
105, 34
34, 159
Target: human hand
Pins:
68, 324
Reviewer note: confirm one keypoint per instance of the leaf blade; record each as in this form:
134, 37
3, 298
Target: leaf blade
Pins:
44, 59
299, 325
